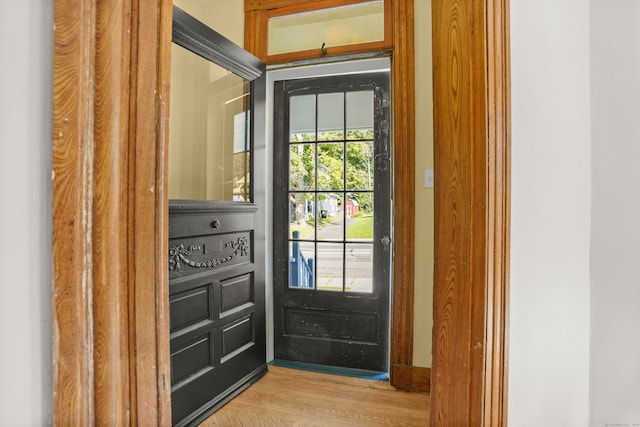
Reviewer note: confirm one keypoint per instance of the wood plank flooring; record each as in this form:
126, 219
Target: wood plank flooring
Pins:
288, 397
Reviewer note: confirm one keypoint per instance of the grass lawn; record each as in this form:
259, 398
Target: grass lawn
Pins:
306, 230
362, 228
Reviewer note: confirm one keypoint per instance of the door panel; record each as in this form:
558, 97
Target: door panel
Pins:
332, 220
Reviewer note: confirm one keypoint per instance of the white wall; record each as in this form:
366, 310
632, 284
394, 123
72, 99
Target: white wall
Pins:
615, 254
551, 203
25, 212
224, 16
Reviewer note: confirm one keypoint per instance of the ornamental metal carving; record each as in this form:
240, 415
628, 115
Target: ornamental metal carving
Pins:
178, 255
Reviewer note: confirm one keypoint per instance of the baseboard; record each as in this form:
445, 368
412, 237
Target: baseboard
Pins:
412, 378
209, 408
333, 370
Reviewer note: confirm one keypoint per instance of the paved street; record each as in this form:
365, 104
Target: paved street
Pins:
328, 262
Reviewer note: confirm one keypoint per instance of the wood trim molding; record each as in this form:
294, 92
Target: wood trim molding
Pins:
108, 220
412, 378
72, 158
403, 81
403, 71
149, 212
472, 167
110, 317
499, 219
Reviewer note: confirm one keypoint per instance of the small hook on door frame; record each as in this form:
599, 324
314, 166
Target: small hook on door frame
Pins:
323, 51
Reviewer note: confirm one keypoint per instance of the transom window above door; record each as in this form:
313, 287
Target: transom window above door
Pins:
357, 23
318, 28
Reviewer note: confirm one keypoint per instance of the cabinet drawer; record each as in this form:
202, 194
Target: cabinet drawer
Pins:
191, 219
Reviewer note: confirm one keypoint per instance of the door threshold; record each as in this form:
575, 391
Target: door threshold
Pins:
332, 370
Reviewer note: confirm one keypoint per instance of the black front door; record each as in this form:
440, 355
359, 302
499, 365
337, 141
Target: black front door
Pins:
332, 205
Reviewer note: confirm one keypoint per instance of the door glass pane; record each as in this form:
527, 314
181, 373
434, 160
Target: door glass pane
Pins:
330, 217
330, 166
359, 216
331, 117
360, 167
210, 150
301, 217
331, 191
330, 266
360, 115
302, 118
301, 265
302, 159
359, 267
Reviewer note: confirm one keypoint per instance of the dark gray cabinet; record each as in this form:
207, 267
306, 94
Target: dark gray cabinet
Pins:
216, 233
216, 301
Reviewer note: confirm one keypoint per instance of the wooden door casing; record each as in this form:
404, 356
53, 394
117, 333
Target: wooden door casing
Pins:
472, 198
403, 89
133, 384
110, 124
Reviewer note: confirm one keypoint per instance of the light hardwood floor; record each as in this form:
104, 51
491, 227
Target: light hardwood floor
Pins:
288, 397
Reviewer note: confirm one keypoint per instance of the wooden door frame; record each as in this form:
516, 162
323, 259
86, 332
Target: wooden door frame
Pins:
110, 129
111, 69
401, 47
472, 129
